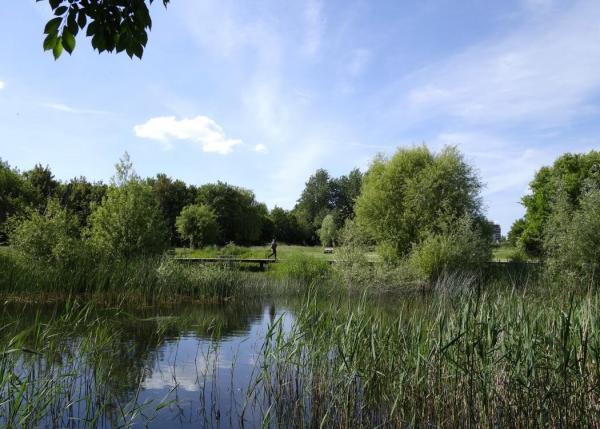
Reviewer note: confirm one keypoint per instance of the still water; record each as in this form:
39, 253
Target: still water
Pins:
192, 366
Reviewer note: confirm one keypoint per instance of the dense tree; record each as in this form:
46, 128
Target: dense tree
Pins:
172, 196
15, 195
128, 223
52, 235
79, 196
345, 191
286, 227
198, 224
417, 193
241, 218
567, 177
328, 231
315, 202
323, 195
43, 184
516, 230
112, 25
572, 239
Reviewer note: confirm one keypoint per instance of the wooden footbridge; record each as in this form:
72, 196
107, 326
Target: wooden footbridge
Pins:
261, 262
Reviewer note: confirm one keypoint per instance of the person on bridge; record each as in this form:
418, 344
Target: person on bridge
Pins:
273, 249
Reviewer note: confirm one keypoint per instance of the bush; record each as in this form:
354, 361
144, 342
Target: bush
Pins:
572, 240
197, 224
328, 231
461, 248
415, 194
128, 223
51, 236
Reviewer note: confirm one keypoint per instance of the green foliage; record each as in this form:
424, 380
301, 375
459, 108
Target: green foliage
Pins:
323, 195
128, 222
328, 231
306, 269
516, 231
566, 179
43, 184
286, 227
460, 248
172, 196
414, 195
112, 25
572, 240
197, 223
51, 236
241, 218
78, 196
16, 195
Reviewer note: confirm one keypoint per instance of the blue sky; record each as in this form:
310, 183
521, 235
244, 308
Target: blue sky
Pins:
262, 93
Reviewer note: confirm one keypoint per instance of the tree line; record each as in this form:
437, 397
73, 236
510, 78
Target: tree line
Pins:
213, 213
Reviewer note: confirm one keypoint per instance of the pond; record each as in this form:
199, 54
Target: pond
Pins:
496, 359
187, 366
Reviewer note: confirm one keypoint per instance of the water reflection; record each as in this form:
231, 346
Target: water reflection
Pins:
187, 366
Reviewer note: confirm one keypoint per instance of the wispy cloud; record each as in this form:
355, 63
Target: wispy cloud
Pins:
1, 84
201, 130
260, 148
315, 25
545, 72
68, 109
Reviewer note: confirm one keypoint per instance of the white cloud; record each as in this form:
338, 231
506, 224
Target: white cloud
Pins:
545, 72
260, 148
201, 130
68, 109
1, 84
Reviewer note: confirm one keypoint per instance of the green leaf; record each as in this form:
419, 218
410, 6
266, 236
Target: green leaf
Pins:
60, 10
54, 3
58, 48
52, 25
68, 41
72, 22
50, 41
81, 19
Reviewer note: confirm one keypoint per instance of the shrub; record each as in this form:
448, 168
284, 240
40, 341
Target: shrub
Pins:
414, 194
128, 222
572, 240
197, 223
328, 231
460, 248
51, 236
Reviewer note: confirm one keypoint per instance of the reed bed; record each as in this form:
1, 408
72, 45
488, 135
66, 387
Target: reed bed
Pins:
502, 360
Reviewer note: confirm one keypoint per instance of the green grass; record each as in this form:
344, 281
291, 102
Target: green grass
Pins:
504, 252
284, 251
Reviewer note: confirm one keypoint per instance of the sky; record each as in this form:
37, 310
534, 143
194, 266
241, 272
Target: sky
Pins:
262, 93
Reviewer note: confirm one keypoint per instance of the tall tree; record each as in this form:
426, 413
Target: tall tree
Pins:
241, 218
16, 195
79, 196
567, 178
417, 193
42, 183
172, 196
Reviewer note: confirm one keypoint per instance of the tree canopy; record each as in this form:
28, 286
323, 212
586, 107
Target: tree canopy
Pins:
567, 178
416, 193
112, 25
198, 224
